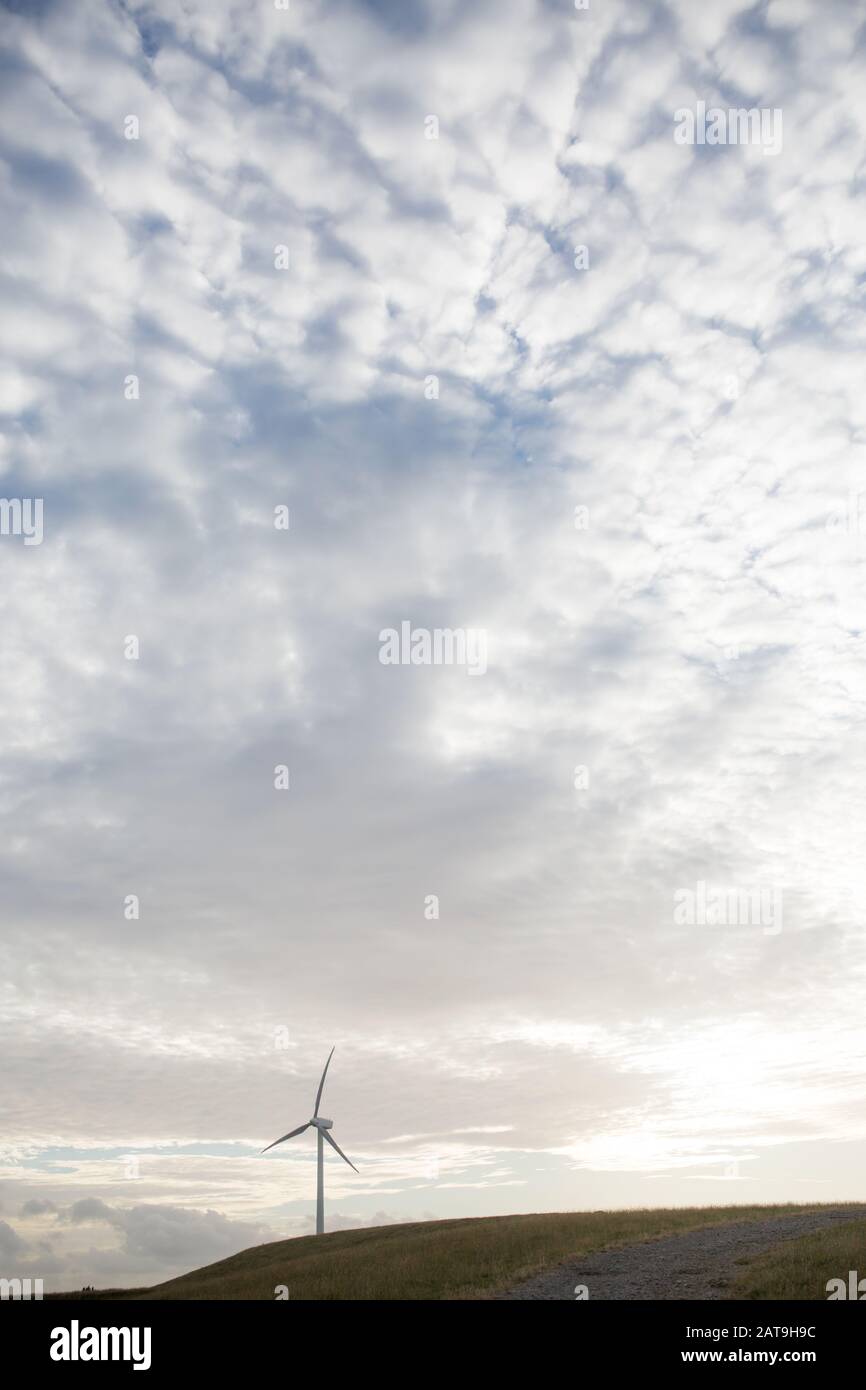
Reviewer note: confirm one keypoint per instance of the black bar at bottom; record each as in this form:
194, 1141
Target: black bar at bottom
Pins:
250, 1338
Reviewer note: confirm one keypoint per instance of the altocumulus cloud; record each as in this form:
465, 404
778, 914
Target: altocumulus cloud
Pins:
551, 376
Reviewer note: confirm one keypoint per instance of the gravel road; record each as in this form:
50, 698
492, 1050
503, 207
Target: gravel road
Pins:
695, 1265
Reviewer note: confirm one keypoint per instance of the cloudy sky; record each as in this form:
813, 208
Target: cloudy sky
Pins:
439, 279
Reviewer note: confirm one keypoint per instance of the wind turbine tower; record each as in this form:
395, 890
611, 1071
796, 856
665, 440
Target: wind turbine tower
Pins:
322, 1128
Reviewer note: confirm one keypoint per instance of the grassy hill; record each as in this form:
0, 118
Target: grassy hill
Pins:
800, 1269
430, 1259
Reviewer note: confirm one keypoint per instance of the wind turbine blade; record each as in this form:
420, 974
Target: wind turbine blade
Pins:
290, 1135
321, 1084
334, 1145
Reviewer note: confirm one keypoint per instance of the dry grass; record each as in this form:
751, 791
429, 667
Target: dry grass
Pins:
433, 1259
800, 1269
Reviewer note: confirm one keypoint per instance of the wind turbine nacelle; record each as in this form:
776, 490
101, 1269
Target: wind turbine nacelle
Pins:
323, 1124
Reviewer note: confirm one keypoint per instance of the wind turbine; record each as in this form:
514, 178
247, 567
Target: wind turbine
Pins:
321, 1127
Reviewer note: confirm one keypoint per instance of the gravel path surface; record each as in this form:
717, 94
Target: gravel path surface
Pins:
695, 1265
